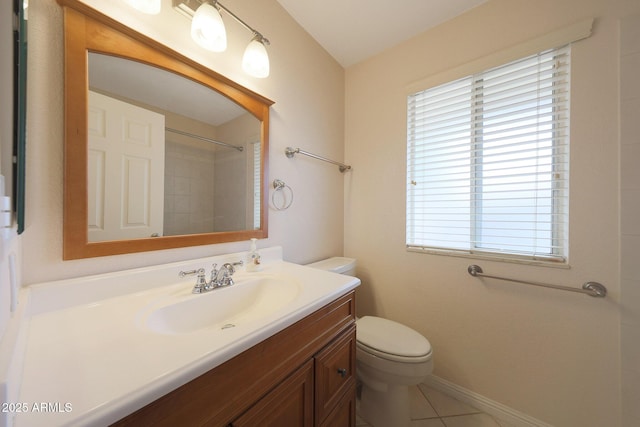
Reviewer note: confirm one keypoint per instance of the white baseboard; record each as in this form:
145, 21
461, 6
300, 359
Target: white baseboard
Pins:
501, 412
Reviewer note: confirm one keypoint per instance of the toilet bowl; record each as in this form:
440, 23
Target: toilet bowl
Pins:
390, 357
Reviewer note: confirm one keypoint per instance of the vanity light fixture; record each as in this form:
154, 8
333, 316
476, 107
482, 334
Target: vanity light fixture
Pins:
208, 30
151, 7
255, 61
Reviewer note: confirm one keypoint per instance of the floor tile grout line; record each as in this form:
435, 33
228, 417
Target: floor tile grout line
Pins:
429, 402
439, 417
475, 410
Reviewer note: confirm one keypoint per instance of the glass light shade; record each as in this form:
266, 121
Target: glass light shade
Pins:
255, 61
152, 7
207, 28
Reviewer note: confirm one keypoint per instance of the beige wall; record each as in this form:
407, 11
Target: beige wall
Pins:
630, 217
549, 354
306, 84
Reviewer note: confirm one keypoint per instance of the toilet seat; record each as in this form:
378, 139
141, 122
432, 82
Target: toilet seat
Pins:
391, 340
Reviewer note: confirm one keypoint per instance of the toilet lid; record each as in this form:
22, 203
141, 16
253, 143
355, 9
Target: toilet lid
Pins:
392, 338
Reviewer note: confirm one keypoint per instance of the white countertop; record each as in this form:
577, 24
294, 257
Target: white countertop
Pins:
91, 361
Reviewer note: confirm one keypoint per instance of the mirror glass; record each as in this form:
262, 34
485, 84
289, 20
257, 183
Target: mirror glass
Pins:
167, 155
160, 151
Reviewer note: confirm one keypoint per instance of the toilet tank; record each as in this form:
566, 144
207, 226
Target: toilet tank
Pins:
339, 265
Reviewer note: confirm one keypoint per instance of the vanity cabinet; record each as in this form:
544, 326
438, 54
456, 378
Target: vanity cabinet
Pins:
326, 383
302, 376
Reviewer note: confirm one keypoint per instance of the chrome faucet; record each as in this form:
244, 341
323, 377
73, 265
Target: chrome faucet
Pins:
219, 278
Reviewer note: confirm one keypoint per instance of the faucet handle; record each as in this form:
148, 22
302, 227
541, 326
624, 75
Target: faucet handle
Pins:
199, 272
201, 282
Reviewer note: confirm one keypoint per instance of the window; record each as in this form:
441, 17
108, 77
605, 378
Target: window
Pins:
257, 188
488, 161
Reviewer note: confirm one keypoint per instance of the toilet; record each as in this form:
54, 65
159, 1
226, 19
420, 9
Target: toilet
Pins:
390, 357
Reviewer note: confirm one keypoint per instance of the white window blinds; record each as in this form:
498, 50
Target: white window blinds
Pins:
488, 161
257, 188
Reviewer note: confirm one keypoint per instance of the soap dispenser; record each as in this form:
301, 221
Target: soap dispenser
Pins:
253, 258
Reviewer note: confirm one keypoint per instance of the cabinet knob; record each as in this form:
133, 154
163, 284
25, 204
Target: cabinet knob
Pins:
342, 372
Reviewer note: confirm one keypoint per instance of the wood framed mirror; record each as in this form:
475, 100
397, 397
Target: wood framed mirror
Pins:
153, 138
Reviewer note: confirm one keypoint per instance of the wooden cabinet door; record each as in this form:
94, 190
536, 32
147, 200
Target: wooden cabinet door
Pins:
343, 415
335, 374
289, 404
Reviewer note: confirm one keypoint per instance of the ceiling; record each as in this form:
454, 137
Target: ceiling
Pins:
354, 30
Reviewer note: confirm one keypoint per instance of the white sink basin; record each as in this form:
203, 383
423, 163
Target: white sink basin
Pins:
249, 299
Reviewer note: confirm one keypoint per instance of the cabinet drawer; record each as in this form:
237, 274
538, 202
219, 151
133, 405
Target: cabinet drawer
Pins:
334, 372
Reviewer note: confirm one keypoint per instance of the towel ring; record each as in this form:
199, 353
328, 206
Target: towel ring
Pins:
279, 187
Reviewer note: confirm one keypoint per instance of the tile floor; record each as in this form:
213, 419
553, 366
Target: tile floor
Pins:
432, 408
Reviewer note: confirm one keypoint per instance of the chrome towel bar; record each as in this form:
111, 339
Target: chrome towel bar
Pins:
593, 289
289, 151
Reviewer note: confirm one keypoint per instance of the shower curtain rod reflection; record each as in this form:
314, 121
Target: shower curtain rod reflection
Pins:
203, 138
291, 151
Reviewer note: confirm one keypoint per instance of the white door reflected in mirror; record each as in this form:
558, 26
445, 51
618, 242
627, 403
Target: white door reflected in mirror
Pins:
125, 170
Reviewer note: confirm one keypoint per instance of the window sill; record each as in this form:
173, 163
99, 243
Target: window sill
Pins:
509, 258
